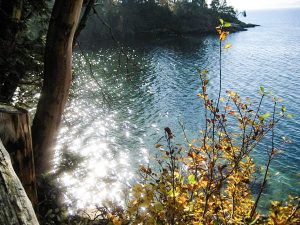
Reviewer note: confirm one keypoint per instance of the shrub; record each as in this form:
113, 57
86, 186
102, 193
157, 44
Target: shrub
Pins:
208, 181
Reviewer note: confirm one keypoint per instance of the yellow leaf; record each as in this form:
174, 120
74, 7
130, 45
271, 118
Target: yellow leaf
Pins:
231, 94
227, 46
219, 30
204, 72
182, 199
116, 221
223, 35
176, 174
201, 96
134, 202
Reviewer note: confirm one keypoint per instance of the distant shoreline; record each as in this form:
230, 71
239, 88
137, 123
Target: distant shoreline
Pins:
134, 20
162, 34
272, 9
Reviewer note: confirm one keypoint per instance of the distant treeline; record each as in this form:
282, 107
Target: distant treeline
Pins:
138, 18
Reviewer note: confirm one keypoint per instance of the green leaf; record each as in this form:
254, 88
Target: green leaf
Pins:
192, 179
227, 24
173, 194
290, 116
204, 72
221, 21
264, 116
158, 206
283, 109
49, 212
262, 89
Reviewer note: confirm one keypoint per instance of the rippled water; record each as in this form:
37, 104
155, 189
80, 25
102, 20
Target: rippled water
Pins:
114, 128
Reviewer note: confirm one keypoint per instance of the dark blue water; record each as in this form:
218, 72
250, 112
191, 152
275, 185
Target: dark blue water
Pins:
115, 126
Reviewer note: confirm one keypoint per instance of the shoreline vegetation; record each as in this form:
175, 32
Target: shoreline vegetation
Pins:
203, 181
208, 180
139, 20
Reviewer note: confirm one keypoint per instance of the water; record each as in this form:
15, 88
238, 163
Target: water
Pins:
114, 128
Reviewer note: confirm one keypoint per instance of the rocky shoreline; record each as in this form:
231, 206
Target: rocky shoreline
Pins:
242, 27
235, 27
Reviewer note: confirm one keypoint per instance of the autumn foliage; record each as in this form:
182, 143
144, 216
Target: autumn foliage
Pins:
208, 180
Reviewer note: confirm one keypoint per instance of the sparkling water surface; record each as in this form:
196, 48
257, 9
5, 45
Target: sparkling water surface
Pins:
113, 124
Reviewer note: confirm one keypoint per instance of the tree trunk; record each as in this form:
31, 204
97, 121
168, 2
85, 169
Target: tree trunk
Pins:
15, 207
16, 136
57, 81
83, 20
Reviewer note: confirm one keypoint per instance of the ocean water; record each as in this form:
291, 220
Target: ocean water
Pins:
119, 106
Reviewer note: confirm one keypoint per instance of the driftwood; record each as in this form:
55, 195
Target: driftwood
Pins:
16, 138
15, 206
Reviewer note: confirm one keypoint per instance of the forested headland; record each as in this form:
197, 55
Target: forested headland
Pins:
150, 19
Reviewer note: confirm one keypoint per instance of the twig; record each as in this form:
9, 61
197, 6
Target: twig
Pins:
106, 99
271, 155
293, 213
113, 37
83, 20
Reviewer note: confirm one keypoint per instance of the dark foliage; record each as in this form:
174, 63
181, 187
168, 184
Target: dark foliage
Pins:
139, 19
22, 38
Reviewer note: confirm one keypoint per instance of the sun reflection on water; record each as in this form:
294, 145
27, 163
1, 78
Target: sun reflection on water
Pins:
97, 135
102, 175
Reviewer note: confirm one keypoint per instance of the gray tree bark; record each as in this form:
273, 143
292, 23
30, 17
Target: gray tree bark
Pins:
15, 206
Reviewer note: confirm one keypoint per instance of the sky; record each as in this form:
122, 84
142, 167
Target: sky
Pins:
263, 4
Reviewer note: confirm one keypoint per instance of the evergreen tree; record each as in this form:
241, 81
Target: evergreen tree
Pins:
201, 3
215, 5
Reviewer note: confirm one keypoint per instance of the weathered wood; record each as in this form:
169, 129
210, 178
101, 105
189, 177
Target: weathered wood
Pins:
15, 206
16, 137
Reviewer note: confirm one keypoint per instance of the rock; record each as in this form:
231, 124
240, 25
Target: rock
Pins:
235, 27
